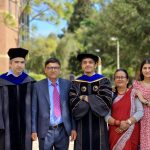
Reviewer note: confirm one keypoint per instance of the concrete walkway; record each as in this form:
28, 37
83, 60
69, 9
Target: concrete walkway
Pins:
35, 146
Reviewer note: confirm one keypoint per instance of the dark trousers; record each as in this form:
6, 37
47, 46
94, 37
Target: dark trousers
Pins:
55, 138
2, 139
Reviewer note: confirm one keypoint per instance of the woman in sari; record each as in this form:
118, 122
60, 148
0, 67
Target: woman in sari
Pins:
143, 92
126, 112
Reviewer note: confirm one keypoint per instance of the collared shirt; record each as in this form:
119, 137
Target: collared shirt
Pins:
91, 75
11, 72
53, 119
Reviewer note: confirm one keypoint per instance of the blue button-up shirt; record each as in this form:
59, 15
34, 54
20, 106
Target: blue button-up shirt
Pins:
53, 119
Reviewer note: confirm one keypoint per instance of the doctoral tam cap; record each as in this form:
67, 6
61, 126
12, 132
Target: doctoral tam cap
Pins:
17, 52
82, 56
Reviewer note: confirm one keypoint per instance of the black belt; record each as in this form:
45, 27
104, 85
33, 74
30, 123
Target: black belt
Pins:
56, 126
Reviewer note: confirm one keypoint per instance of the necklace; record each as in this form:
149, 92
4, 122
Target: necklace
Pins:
122, 93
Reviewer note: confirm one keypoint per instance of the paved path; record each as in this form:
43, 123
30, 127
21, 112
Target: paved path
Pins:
35, 146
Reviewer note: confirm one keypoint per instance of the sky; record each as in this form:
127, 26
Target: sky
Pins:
45, 29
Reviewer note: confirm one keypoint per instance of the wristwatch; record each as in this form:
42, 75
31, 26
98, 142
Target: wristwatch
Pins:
147, 102
129, 122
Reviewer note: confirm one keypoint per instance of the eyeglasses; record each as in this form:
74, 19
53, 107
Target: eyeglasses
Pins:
120, 77
53, 68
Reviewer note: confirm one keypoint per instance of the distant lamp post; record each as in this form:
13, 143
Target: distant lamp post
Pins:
99, 62
118, 51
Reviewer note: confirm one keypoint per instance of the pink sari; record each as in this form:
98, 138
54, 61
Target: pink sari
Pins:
145, 121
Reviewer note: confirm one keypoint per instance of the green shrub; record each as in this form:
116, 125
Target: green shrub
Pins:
37, 76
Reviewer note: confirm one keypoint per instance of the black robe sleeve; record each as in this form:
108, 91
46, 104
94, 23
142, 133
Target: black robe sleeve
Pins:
79, 107
34, 109
1, 108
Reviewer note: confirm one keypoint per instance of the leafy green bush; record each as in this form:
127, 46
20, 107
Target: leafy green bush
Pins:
37, 76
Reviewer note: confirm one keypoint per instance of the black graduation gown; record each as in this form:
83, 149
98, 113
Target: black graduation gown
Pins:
15, 113
92, 131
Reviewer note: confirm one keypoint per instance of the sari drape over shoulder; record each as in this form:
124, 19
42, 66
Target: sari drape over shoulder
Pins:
123, 109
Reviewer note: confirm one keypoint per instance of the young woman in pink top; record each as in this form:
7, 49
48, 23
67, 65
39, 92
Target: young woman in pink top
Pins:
143, 92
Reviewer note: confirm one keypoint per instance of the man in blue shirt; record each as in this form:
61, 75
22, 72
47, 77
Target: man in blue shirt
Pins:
51, 118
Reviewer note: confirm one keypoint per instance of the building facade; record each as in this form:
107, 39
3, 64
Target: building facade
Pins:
9, 35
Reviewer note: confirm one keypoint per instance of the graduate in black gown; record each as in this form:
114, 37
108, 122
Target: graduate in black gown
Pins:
15, 104
90, 99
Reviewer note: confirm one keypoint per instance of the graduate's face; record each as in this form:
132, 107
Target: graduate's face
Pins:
17, 65
52, 70
88, 66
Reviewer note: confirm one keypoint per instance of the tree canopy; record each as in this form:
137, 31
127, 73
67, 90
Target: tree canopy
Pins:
126, 20
91, 26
